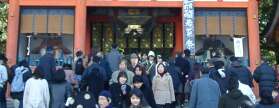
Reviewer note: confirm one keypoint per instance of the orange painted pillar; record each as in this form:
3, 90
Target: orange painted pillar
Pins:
178, 34
12, 40
13, 25
253, 34
80, 25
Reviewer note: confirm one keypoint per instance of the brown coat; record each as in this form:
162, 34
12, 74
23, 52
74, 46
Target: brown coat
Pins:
163, 89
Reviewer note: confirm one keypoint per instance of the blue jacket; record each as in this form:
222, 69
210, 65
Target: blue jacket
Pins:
267, 106
265, 76
205, 93
98, 66
113, 59
243, 73
104, 63
95, 81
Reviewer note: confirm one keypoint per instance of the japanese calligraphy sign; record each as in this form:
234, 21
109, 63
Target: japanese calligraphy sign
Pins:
188, 25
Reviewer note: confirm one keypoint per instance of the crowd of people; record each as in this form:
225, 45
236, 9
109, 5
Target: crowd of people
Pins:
114, 80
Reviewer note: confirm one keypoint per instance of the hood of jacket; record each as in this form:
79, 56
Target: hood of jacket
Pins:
235, 94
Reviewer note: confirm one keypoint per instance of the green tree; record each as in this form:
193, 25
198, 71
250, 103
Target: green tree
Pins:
3, 25
268, 49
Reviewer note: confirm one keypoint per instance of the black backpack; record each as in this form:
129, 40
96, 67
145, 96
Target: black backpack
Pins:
82, 100
79, 68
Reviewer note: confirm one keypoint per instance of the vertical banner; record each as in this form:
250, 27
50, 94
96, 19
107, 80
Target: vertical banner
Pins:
238, 47
188, 25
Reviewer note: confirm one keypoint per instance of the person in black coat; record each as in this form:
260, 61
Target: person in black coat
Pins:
105, 64
96, 64
184, 66
120, 91
147, 90
243, 73
234, 99
48, 63
177, 84
220, 75
175, 74
140, 71
265, 76
94, 80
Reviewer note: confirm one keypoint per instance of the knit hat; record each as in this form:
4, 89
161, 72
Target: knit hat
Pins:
151, 53
106, 94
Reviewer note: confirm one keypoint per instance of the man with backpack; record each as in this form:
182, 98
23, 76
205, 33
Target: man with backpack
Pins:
265, 76
20, 74
3, 79
242, 72
94, 77
94, 81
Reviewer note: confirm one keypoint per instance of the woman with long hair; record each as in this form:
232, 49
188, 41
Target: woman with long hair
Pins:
162, 87
120, 91
138, 83
139, 70
60, 89
36, 93
137, 99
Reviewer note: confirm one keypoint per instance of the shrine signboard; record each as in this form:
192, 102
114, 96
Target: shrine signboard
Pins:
188, 25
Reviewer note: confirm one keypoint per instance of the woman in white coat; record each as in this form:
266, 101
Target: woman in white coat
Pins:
36, 93
162, 87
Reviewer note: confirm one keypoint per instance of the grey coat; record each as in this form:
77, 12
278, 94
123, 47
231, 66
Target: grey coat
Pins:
115, 74
59, 93
205, 93
163, 89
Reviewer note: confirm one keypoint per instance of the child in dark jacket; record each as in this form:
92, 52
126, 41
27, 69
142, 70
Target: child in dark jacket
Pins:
104, 100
